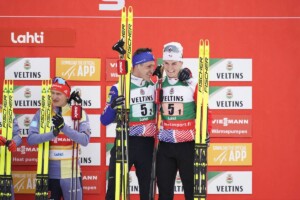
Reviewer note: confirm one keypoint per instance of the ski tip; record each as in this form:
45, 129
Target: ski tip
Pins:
124, 11
206, 42
130, 11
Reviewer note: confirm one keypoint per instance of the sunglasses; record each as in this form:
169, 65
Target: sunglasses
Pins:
60, 81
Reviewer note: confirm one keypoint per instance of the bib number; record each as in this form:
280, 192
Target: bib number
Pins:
172, 109
143, 110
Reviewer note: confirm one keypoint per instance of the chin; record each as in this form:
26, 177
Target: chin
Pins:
57, 104
172, 76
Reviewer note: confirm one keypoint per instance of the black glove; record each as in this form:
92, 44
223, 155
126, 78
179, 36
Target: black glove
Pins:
58, 122
75, 96
119, 47
185, 74
158, 71
118, 101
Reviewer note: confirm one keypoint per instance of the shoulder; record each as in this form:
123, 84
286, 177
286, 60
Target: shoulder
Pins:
192, 81
84, 116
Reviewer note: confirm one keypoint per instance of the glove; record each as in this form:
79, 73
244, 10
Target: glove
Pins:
55, 131
185, 74
118, 101
2, 141
12, 146
119, 47
75, 96
58, 122
158, 71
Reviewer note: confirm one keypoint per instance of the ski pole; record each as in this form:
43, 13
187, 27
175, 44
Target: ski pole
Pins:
76, 117
158, 100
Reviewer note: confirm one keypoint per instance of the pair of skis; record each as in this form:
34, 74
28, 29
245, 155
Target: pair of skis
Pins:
7, 132
43, 148
122, 130
200, 159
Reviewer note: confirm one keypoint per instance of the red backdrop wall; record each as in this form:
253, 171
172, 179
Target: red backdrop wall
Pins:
266, 31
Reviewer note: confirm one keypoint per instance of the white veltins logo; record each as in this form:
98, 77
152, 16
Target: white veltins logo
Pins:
27, 38
112, 5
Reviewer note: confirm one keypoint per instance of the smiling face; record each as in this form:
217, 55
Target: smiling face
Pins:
172, 68
59, 99
144, 70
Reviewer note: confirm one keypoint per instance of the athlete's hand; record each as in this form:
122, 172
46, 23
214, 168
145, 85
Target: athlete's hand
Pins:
118, 101
55, 131
158, 71
75, 96
185, 74
58, 122
2, 141
12, 146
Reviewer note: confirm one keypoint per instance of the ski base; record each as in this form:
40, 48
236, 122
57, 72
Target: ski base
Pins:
122, 176
200, 172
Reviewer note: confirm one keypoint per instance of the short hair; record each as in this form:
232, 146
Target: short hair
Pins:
142, 50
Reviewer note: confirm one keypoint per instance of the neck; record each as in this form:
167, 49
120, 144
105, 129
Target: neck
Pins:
135, 72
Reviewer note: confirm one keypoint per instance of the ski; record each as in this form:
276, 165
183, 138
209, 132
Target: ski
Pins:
158, 98
200, 159
122, 130
7, 132
43, 148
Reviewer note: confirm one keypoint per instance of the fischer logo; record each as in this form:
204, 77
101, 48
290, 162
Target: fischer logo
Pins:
27, 38
112, 5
